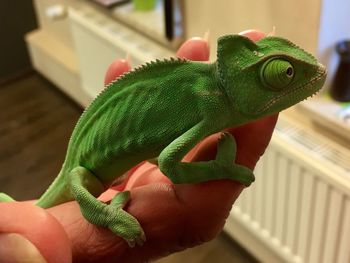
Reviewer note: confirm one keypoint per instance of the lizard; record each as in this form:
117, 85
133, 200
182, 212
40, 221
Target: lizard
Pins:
162, 109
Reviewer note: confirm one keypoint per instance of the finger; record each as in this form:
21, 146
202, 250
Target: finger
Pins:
196, 49
145, 174
253, 34
116, 69
170, 224
35, 227
253, 139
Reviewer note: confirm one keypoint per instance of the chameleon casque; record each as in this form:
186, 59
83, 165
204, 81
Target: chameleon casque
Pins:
164, 108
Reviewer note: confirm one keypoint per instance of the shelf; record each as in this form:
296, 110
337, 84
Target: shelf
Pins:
328, 113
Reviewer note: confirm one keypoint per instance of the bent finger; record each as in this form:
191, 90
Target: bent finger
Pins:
30, 233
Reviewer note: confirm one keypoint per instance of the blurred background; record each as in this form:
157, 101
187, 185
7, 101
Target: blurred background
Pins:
53, 57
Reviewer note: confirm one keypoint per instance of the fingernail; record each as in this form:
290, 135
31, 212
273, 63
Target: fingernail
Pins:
194, 49
16, 248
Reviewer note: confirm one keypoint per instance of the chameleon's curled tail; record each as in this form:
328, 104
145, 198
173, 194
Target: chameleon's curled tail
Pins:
57, 193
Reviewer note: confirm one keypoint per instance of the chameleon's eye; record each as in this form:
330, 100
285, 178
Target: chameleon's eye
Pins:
277, 73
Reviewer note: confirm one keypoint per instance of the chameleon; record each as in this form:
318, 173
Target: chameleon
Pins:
162, 109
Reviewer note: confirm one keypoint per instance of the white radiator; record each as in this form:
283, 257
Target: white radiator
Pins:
298, 210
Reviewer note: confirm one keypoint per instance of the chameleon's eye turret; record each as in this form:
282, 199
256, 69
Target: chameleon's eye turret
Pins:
277, 73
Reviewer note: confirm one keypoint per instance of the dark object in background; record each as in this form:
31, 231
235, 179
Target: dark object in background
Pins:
169, 19
17, 18
340, 90
111, 3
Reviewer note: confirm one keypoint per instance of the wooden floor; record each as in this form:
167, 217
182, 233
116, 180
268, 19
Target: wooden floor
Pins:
220, 250
36, 121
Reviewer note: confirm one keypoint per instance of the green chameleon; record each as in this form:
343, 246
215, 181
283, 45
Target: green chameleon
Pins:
164, 108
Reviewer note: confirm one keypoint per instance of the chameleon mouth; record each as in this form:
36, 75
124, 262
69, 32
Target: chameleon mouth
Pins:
308, 87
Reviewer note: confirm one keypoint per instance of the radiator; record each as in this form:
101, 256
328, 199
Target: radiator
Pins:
298, 210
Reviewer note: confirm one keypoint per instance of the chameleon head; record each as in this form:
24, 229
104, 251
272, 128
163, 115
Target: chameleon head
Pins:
268, 76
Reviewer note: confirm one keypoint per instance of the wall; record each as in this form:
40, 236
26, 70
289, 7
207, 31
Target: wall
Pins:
58, 29
297, 20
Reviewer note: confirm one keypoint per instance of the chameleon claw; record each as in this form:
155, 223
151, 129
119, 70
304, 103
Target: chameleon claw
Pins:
141, 239
226, 152
128, 58
206, 35
122, 223
273, 32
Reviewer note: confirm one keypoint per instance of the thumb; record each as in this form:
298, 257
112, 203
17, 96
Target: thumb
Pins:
29, 232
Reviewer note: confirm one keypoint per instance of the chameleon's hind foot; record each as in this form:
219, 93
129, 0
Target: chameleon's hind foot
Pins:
122, 223
116, 219
110, 215
6, 198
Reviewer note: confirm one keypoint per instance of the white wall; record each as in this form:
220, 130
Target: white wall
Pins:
59, 29
297, 20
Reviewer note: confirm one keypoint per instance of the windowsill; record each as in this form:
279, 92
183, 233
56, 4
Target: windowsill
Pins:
324, 112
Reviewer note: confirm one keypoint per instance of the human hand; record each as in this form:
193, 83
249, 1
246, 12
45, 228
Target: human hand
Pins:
174, 217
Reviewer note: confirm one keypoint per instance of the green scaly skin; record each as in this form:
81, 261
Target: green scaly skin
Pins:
164, 108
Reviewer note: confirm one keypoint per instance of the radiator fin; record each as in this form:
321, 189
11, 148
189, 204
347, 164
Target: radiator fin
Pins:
317, 145
344, 241
298, 204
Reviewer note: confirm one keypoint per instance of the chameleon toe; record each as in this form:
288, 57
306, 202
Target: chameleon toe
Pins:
125, 225
226, 152
5, 198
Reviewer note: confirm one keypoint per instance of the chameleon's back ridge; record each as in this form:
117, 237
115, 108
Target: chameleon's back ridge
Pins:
128, 79
164, 108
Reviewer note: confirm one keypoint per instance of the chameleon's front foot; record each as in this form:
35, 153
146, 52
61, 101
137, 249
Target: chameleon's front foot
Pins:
225, 159
223, 167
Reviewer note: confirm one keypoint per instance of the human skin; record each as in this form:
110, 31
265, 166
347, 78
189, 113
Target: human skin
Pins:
174, 217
